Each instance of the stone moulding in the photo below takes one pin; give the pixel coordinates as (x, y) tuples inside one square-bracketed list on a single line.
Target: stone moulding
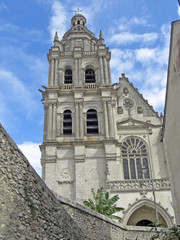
[(89, 53), (91, 85), (65, 182), (65, 53), (67, 86), (137, 185)]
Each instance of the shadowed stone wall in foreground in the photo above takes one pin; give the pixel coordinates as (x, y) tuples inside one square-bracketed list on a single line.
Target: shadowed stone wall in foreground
[(30, 211)]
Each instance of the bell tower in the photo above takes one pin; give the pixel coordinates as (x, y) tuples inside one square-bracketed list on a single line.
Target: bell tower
[(79, 124), (98, 134)]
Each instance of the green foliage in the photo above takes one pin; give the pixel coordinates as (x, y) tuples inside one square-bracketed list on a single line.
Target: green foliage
[(103, 204), (30, 201), (172, 233), (155, 225)]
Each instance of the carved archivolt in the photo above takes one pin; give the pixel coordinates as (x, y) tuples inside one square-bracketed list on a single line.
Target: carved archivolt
[(148, 203)]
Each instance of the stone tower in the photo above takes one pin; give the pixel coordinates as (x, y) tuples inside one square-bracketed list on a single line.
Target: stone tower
[(99, 134)]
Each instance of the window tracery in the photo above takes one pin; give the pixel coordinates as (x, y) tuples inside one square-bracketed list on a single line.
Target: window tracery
[(135, 158)]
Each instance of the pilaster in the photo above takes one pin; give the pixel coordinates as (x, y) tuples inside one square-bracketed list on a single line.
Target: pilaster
[(106, 120)]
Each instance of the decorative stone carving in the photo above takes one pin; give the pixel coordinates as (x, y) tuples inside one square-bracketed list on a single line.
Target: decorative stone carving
[(139, 110), (65, 173), (137, 185), (111, 156), (119, 110), (65, 176), (128, 103), (125, 91)]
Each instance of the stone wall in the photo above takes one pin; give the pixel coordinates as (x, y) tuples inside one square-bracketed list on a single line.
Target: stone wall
[(29, 210), (97, 226), (171, 138)]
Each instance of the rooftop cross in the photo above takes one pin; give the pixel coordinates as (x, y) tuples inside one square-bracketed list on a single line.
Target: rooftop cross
[(78, 10)]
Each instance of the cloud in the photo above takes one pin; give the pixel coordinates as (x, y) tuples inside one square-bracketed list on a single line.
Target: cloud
[(160, 53), (17, 92), (34, 35), (145, 67), (58, 21), (125, 23), (128, 38), (90, 11), (32, 153), (178, 10), (3, 7), (156, 97)]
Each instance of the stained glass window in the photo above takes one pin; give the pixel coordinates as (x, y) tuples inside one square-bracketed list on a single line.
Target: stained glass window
[(135, 158)]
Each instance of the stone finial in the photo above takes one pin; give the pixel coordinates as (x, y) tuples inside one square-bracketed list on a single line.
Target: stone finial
[(123, 75), (101, 35), (56, 38)]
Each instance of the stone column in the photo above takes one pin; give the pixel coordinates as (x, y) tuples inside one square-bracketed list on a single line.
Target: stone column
[(77, 120), (54, 121), (105, 70), (49, 74), (81, 122), (52, 73), (56, 72), (58, 125), (106, 120), (61, 77), (79, 72), (101, 70), (76, 71), (110, 119), (50, 122), (43, 170), (109, 73), (85, 127), (61, 123), (114, 120), (99, 122), (45, 130)]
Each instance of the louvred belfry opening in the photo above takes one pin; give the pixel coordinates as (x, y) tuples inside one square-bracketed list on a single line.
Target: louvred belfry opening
[(67, 123), (90, 76), (92, 122), (68, 76)]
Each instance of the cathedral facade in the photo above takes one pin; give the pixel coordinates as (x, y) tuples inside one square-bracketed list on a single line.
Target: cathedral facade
[(101, 134)]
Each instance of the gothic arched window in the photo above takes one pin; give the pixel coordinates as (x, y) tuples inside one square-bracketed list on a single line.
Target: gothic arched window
[(92, 122), (90, 76), (67, 122), (68, 76), (135, 158)]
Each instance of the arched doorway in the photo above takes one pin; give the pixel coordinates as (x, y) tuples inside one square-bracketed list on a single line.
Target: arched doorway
[(143, 213), (144, 216), (144, 222)]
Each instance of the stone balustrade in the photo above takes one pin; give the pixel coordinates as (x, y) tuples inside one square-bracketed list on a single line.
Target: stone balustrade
[(68, 86), (137, 185), (91, 85)]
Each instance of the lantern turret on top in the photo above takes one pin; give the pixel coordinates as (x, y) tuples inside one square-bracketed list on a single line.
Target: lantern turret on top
[(77, 20)]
